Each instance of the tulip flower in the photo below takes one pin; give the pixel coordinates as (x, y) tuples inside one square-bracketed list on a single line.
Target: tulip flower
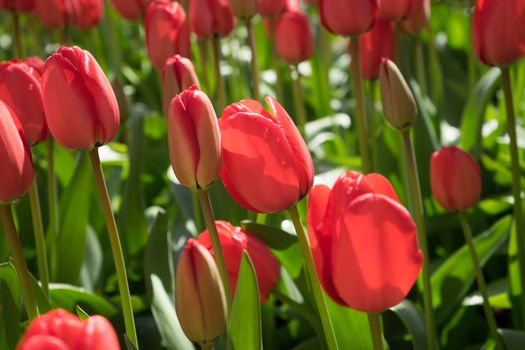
[(348, 17), (35, 63), (80, 106), (60, 330), (498, 31), (85, 14), (270, 8), (178, 74), (131, 9), (166, 32), (17, 5), (211, 18), (266, 165), (199, 294), (364, 242), (295, 40), (52, 13), (234, 241), (16, 163), (455, 179), (292, 5), (194, 139), (244, 8), (396, 10), (419, 17)]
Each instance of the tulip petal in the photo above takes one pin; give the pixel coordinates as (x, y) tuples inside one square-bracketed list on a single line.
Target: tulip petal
[(43, 342), (99, 335)]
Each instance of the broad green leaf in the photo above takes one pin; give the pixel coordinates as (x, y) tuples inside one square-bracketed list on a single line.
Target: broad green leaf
[(10, 304), (310, 344), (69, 297), (512, 338), (245, 317), (351, 327), (413, 321), (272, 236)]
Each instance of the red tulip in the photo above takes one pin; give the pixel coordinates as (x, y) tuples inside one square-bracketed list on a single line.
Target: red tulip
[(178, 74), (52, 13), (81, 108), (17, 5), (166, 32), (292, 5), (266, 165), (271, 7), (234, 241), (194, 139), (395, 10), (295, 41), (85, 14), (211, 17), (129, 9), (455, 179), (419, 18), (498, 32), (364, 242), (16, 163), (60, 330), (244, 8), (36, 63), (348, 17), (20, 88)]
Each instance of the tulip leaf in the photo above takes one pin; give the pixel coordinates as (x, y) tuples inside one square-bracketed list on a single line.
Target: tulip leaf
[(70, 297), (10, 304), (513, 339), (350, 327), (514, 276), (272, 236), (453, 279), (413, 321), (245, 318)]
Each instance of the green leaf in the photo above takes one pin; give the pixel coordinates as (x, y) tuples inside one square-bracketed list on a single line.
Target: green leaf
[(272, 236), (10, 313), (245, 318), (70, 297), (351, 327), (413, 321), (513, 339), (83, 315)]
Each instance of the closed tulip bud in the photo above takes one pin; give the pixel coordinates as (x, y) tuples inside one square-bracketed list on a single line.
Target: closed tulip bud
[(348, 17), (395, 10), (364, 242), (455, 179), (418, 19), (270, 8), (233, 242), (178, 74), (52, 13), (85, 14), (194, 139), (399, 105), (211, 18), (295, 41), (166, 32), (80, 105), (129, 9), (17, 5), (20, 88), (60, 330), (498, 32), (16, 163), (200, 299), (266, 165), (244, 8)]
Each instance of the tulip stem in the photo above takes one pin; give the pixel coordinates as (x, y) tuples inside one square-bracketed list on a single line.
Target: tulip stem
[(360, 105), (420, 67), (52, 208), (516, 184), (372, 124), (17, 36), (275, 61), (196, 211), (299, 99), (219, 82), (38, 228), (418, 213), (116, 248), (314, 281), (374, 321), (28, 293), (209, 218), (202, 45), (489, 315), (254, 61)]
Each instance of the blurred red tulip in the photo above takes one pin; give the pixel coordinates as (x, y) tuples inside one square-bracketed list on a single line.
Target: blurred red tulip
[(455, 179), (17, 5), (295, 40), (292, 5), (16, 163), (419, 18), (35, 63), (52, 13), (498, 32), (266, 165), (194, 139), (271, 7), (60, 330), (348, 17), (129, 9), (84, 14), (396, 10), (244, 8), (80, 105), (234, 241), (20, 88), (364, 242), (211, 17), (166, 32), (178, 74)]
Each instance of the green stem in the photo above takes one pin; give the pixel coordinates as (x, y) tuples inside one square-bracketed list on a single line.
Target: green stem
[(116, 248), (196, 211), (516, 185), (489, 315), (275, 61), (209, 218), (28, 293), (374, 321), (52, 208), (372, 124), (420, 67), (36, 44), (219, 82), (418, 213), (202, 45), (261, 218), (38, 227), (207, 346), (17, 36), (360, 105), (314, 281), (254, 61), (298, 99)]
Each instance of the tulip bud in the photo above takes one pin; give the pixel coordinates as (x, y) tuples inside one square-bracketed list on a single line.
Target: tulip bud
[(295, 41), (52, 13), (233, 242), (178, 74), (399, 105), (58, 329), (17, 5), (395, 10), (85, 14), (211, 18), (455, 179), (166, 32), (194, 139), (80, 105), (129, 9), (270, 8), (200, 299), (16, 163), (348, 17), (418, 19), (244, 8)]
